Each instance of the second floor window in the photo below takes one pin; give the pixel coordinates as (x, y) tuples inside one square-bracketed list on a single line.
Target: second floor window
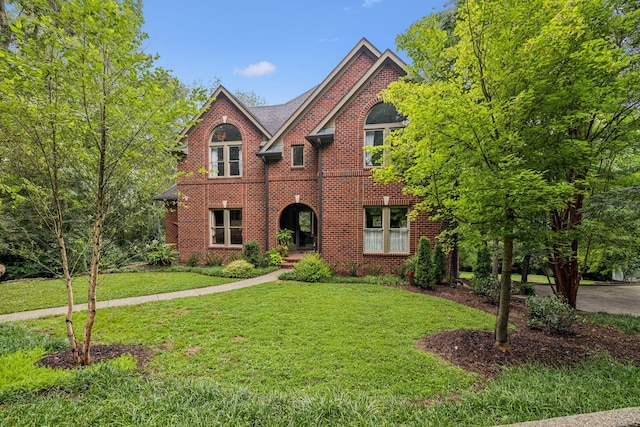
[(381, 120), (225, 151), (297, 155)]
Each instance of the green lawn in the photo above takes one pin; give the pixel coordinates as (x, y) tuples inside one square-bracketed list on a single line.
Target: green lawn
[(288, 336), (287, 353), (34, 294)]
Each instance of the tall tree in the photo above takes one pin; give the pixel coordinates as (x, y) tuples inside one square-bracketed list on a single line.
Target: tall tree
[(85, 113), (512, 116)]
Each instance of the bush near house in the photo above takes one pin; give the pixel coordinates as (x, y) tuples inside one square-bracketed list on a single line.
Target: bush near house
[(424, 267), (239, 269), (311, 268)]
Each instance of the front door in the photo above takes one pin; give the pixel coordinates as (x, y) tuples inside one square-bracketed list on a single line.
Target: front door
[(300, 219)]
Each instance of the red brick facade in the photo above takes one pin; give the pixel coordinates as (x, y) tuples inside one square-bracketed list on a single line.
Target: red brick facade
[(270, 190)]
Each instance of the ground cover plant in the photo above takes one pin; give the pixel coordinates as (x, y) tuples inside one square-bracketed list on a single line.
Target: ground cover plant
[(33, 294)]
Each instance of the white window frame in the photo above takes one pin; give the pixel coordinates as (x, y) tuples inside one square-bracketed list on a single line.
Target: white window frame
[(226, 228), (384, 238), (369, 139), (214, 159)]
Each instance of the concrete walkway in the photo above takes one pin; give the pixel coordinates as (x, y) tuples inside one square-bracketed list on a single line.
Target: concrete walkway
[(56, 311), (626, 417)]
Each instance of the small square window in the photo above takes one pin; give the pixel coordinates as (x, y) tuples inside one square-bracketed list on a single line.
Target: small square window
[(297, 155)]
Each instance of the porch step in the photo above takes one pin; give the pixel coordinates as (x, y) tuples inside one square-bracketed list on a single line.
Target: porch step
[(292, 259)]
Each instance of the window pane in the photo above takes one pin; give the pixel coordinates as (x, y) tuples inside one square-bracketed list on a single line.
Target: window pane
[(218, 236), (224, 133), (234, 153), (298, 155), (218, 217), (373, 218), (235, 218), (384, 113), (373, 138), (236, 236), (235, 157), (398, 218), (217, 227), (373, 240), (399, 240)]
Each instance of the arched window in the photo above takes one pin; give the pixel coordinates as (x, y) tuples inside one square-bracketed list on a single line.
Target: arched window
[(225, 151), (381, 120)]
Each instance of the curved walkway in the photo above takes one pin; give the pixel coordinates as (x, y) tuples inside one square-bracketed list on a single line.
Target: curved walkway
[(56, 311)]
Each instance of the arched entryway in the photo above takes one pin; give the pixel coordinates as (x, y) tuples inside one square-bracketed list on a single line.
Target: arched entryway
[(301, 219)]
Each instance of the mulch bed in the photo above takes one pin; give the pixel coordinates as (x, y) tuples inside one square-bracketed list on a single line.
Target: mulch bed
[(474, 350), (471, 350)]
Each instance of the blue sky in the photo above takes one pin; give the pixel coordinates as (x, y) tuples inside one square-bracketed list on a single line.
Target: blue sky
[(277, 49)]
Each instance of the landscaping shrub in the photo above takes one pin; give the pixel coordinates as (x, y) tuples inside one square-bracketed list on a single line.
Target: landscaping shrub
[(439, 264), (373, 270), (159, 253), (527, 289), (251, 252), (239, 269), (194, 259), (273, 258), (213, 260), (424, 268), (488, 287), (311, 268), (353, 267), (483, 263), (551, 312)]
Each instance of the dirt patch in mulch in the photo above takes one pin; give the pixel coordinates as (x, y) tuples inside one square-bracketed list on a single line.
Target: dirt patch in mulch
[(474, 350), (99, 353)]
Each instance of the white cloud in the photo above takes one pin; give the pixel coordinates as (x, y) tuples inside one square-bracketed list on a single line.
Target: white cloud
[(369, 3), (262, 68)]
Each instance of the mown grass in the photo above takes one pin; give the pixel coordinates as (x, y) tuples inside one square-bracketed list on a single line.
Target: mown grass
[(34, 294), (112, 396), (284, 354), (623, 322), (294, 336)]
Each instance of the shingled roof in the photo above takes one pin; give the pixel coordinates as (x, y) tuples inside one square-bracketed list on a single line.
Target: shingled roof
[(273, 117)]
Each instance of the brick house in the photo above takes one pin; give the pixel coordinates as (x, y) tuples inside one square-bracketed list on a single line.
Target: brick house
[(249, 171)]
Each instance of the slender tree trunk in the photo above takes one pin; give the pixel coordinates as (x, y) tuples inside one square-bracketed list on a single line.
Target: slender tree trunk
[(97, 231), (495, 265), (526, 261), (502, 320), (564, 260), (68, 283)]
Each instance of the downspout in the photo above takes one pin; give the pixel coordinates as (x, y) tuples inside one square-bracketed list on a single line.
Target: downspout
[(319, 236), (266, 202)]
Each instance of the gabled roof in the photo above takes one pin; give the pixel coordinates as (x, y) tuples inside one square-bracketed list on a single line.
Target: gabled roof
[(274, 116), (387, 57), (319, 90), (222, 91), (275, 120)]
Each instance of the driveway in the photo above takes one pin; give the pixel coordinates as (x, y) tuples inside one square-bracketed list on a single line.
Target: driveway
[(614, 299)]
